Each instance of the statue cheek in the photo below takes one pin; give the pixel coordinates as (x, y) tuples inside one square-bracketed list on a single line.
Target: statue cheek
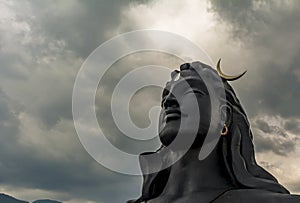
[(189, 106)]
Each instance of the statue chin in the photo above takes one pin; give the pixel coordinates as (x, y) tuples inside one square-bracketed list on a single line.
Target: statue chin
[(169, 132), (171, 129)]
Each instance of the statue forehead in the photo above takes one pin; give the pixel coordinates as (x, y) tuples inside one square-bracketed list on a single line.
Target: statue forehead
[(196, 74), (188, 80)]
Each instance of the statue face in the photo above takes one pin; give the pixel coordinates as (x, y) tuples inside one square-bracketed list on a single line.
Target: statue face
[(177, 108)]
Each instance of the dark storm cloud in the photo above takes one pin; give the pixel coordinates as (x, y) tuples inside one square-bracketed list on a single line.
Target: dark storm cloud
[(43, 44), (77, 178), (240, 14), (71, 170), (269, 30), (277, 92), (292, 126), (8, 125), (84, 25), (263, 126), (273, 138), (61, 35)]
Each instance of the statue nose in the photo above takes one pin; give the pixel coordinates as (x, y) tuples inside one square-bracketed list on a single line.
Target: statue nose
[(170, 101)]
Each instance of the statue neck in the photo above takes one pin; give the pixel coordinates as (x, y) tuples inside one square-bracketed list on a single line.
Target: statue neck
[(191, 175)]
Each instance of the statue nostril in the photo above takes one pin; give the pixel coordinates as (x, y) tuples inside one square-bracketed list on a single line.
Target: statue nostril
[(185, 66), (171, 103)]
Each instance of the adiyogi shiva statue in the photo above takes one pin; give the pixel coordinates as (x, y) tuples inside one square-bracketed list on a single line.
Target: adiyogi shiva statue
[(229, 174)]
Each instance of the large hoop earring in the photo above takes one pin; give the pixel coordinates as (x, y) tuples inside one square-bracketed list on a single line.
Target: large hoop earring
[(224, 130)]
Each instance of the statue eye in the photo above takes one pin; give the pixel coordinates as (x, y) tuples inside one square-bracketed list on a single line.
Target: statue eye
[(200, 92), (165, 92), (196, 91), (164, 95)]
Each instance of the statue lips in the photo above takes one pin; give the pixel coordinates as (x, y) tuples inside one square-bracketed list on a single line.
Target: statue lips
[(172, 114)]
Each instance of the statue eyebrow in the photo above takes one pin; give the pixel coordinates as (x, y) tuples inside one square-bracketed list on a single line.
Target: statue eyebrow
[(197, 90)]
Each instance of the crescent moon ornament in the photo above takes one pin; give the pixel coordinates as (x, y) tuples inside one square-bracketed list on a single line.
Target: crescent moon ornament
[(228, 77)]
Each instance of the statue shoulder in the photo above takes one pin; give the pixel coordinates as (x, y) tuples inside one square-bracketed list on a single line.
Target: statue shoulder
[(256, 195), (153, 183)]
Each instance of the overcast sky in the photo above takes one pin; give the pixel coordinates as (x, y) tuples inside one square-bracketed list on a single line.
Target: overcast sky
[(44, 43)]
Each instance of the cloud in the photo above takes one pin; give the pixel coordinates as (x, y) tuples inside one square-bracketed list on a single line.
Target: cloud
[(83, 25), (292, 126), (43, 44), (40, 57), (285, 170), (277, 149), (268, 31), (270, 135)]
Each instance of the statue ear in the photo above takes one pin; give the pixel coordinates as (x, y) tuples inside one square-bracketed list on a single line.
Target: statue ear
[(226, 114)]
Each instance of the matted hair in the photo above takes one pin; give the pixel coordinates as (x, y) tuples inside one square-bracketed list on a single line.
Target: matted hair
[(238, 150)]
